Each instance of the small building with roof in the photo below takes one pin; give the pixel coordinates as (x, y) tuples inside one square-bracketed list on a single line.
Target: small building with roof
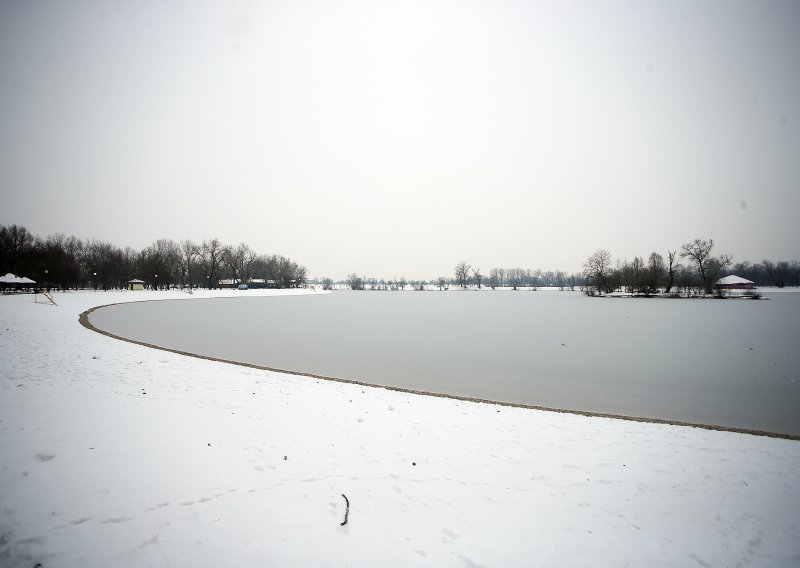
[(15, 282), (136, 284), (735, 285)]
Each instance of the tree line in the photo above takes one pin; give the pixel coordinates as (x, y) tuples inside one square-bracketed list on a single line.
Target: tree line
[(66, 262), (691, 270), (467, 276)]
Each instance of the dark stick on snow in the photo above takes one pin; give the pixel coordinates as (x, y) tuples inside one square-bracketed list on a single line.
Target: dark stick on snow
[(347, 509)]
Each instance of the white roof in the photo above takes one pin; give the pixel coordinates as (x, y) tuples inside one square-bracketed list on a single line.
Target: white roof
[(11, 279), (732, 279), (136, 281)]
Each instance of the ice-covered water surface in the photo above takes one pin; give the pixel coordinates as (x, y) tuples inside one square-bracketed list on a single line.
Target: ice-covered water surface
[(729, 363)]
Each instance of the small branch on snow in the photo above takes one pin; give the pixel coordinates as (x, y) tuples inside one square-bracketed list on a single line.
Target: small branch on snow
[(347, 510)]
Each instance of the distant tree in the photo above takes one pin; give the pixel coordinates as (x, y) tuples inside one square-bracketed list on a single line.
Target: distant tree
[(745, 269), (717, 266), (230, 264), (239, 262), (707, 267), (494, 278), (280, 270), (68, 262), (355, 282), (687, 280), (462, 273), (212, 257), (777, 272), (327, 284), (597, 270), (476, 274), (514, 277), (560, 279), (441, 282), (189, 253), (794, 273), (15, 244), (573, 281), (671, 270), (655, 273)]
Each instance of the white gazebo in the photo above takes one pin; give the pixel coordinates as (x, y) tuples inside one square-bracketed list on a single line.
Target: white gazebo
[(16, 281), (735, 285), (136, 284), (734, 282)]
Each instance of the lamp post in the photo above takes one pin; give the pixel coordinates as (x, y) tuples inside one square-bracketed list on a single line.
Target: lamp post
[(208, 282), (156, 275), (94, 275), (46, 281)]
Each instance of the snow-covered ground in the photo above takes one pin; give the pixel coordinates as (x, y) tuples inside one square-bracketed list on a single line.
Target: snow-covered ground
[(113, 454)]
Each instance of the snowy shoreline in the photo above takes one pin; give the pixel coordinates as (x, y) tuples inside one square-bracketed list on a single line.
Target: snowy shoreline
[(116, 454), (85, 322)]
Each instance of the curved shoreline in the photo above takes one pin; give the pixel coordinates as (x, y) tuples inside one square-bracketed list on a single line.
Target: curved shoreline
[(83, 319)]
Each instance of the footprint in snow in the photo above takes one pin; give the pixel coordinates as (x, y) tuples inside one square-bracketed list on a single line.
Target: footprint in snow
[(116, 520)]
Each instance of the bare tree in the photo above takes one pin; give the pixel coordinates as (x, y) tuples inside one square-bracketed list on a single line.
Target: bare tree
[(15, 243), (638, 274), (355, 282), (514, 277), (300, 275), (239, 261), (572, 281), (655, 273), (698, 252), (706, 266), (212, 257), (673, 268), (597, 270), (560, 279), (282, 270), (462, 273), (686, 279), (476, 274), (189, 252), (777, 272), (494, 278)]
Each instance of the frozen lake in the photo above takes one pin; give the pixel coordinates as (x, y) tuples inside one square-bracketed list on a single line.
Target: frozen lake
[(728, 363)]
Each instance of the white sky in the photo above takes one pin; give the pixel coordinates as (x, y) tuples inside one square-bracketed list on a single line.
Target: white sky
[(398, 138)]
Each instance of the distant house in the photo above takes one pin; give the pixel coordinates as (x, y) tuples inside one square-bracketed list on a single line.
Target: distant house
[(136, 284), (735, 285)]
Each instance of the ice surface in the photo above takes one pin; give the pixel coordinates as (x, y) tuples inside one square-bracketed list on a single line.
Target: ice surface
[(731, 363)]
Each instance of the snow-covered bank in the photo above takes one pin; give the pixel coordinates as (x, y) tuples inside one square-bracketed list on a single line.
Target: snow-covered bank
[(115, 454)]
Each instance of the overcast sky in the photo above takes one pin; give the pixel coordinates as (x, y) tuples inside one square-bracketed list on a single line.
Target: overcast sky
[(398, 138)]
